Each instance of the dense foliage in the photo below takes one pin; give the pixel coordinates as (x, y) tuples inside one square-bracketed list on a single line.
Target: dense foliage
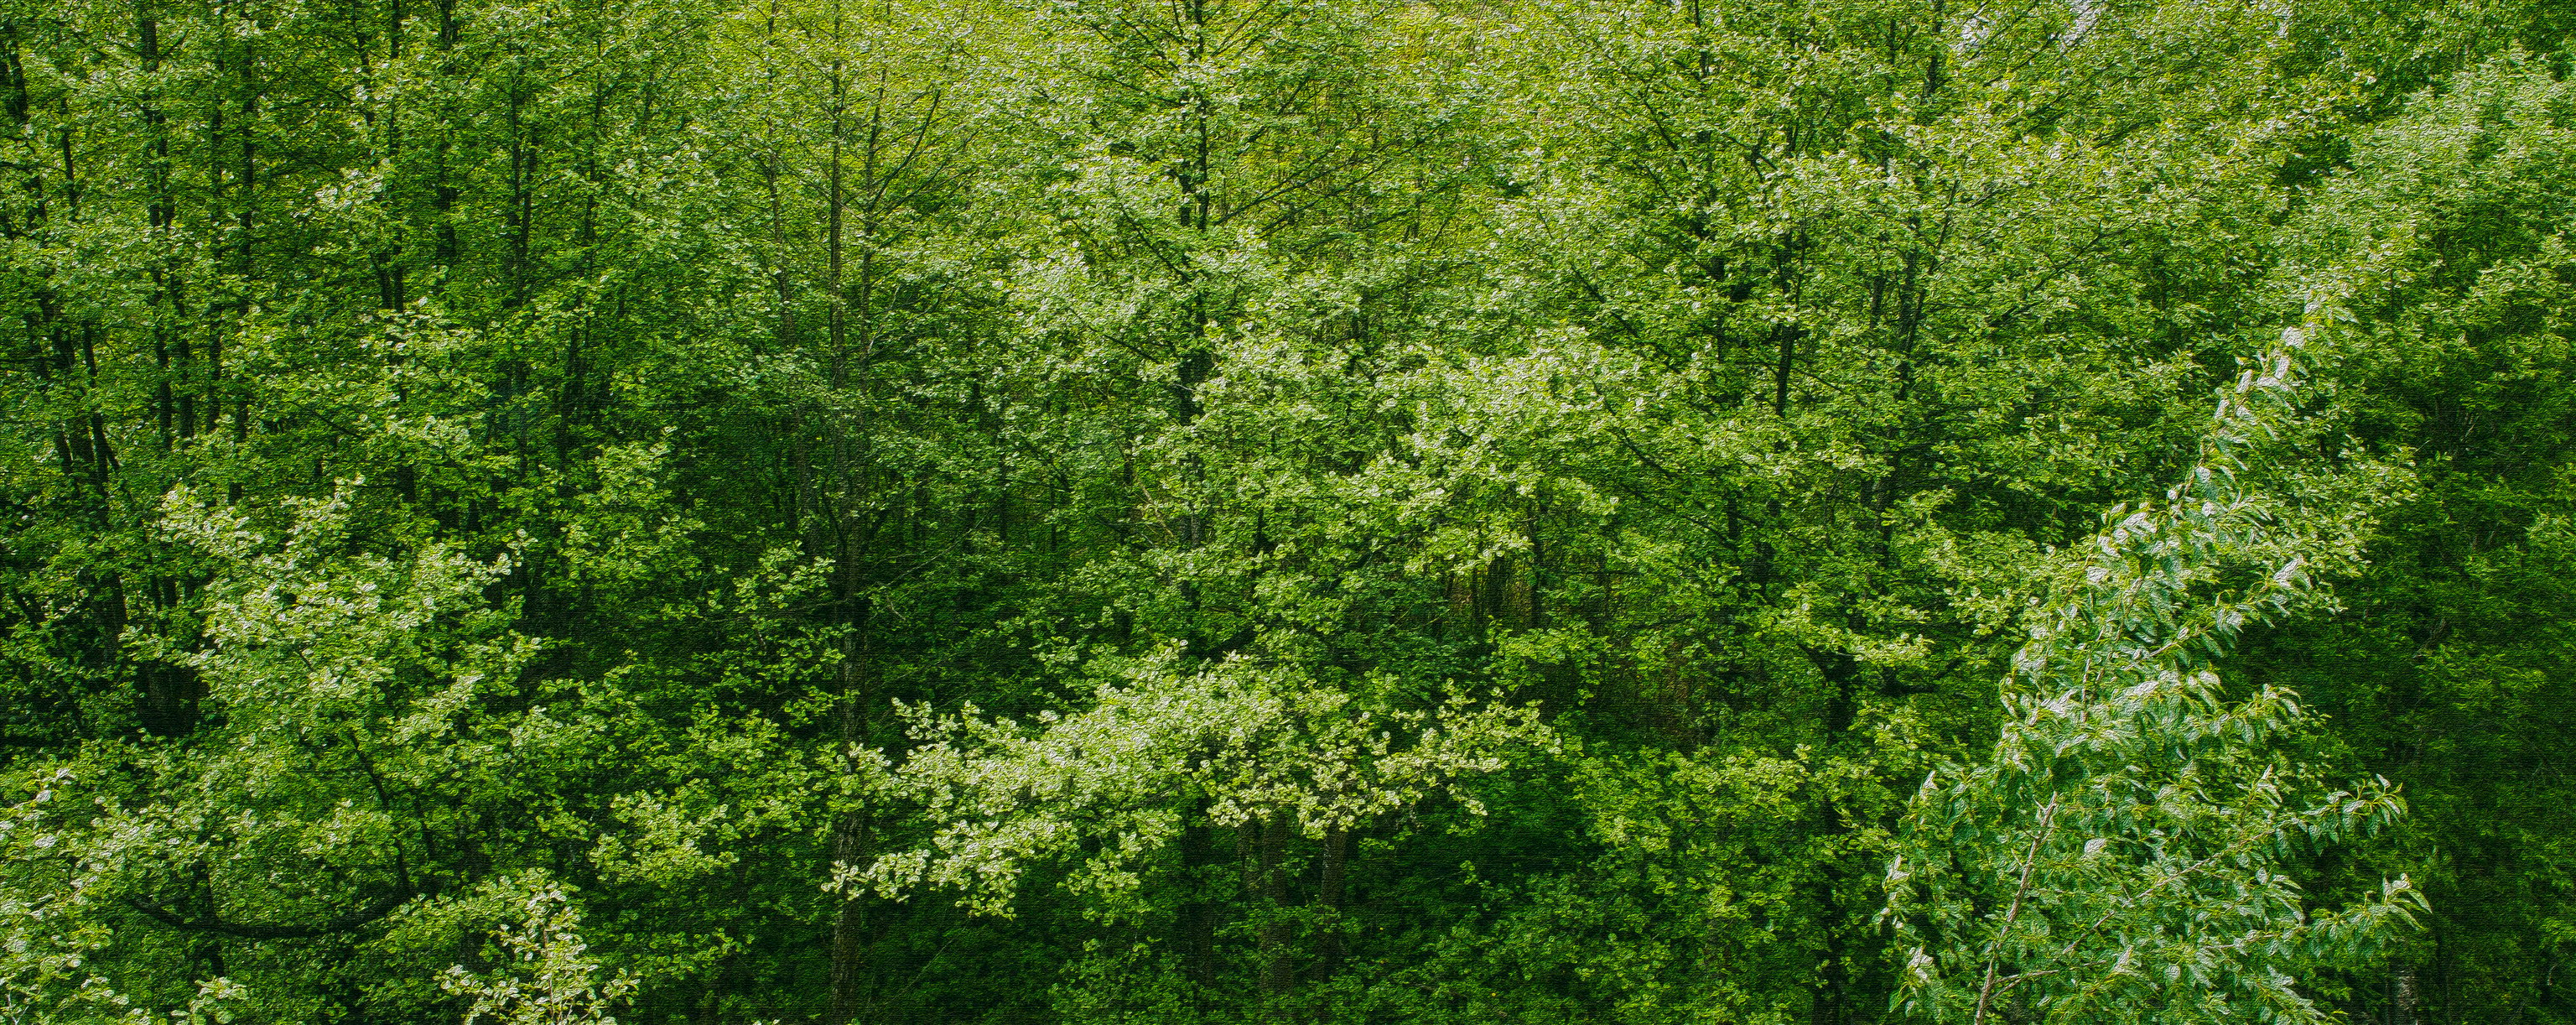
[(1322, 510)]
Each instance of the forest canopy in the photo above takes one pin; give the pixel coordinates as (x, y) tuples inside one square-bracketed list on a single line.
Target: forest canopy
[(1332, 511)]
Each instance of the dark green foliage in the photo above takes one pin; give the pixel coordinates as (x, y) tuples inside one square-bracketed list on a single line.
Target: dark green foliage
[(2446, 671)]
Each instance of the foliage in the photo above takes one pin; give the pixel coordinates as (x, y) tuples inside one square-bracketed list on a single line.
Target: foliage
[(2125, 853), (1234, 510), (561, 986)]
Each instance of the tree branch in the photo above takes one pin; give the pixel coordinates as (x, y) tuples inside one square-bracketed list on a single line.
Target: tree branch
[(379, 908)]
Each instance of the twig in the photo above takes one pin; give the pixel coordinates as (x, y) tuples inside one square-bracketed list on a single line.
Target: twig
[(2030, 861)]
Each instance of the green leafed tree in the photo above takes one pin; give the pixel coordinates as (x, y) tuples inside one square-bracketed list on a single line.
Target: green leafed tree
[(2130, 849)]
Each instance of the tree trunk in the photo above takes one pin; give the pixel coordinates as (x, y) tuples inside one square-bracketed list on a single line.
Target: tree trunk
[(1330, 894), (1276, 972)]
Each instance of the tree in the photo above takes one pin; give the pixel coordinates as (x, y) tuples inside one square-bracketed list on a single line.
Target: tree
[(2126, 854)]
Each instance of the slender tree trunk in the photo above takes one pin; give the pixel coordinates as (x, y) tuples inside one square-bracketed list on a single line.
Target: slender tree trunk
[(1198, 915), (1331, 886), (851, 956), (1277, 964)]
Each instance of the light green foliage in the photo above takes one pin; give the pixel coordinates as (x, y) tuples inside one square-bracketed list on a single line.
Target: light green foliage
[(547, 979), (1250, 745), (55, 965)]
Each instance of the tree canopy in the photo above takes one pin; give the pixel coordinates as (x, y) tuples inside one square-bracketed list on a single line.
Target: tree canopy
[(1764, 512)]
